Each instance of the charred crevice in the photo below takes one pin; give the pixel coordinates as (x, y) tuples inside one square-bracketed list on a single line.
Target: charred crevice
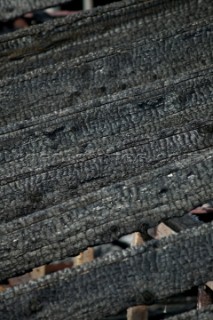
[(163, 190), (51, 134)]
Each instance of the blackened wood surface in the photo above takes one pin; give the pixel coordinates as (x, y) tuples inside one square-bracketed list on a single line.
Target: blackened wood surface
[(141, 275), (104, 31), (105, 128), (204, 314), (13, 8)]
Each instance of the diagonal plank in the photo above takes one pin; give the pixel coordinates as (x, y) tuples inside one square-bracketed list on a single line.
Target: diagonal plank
[(100, 32), (106, 286), (106, 128), (107, 144), (13, 8), (204, 314), (104, 215)]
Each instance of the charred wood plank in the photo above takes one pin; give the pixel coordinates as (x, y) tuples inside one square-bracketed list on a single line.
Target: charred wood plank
[(106, 286), (95, 149), (204, 314), (150, 176), (10, 9), (102, 31), (104, 144), (98, 77), (66, 199), (97, 146)]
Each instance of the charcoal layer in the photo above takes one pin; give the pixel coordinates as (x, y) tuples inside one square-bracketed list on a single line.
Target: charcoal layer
[(98, 32), (106, 286), (13, 8), (112, 142), (204, 314)]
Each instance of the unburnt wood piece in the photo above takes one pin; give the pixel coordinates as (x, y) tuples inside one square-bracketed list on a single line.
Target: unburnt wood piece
[(38, 272), (204, 314), (160, 231), (137, 239), (13, 8), (141, 275), (35, 274), (83, 257), (87, 4), (137, 313), (210, 285), (20, 280), (56, 266)]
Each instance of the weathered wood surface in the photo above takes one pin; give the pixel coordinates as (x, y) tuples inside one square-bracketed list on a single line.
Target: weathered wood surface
[(108, 143), (204, 314), (13, 8), (101, 32), (140, 275)]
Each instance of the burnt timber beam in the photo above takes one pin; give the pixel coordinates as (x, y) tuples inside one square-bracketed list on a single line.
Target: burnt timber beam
[(115, 141), (106, 128), (10, 9), (102, 31), (203, 314), (140, 275)]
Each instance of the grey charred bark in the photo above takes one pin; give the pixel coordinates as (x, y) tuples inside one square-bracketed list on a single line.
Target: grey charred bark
[(106, 127), (104, 144), (140, 275), (204, 314), (10, 9)]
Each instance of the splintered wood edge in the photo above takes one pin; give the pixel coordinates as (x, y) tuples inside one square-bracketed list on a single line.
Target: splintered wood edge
[(83, 257), (209, 284), (137, 313), (161, 231), (137, 239), (38, 272)]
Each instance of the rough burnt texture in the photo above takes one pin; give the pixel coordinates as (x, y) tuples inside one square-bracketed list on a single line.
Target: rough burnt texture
[(204, 314), (10, 9), (108, 285), (112, 32), (106, 128)]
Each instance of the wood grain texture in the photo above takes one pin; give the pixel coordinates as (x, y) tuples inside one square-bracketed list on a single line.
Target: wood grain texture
[(10, 9), (101, 31), (109, 141), (140, 275), (106, 128)]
